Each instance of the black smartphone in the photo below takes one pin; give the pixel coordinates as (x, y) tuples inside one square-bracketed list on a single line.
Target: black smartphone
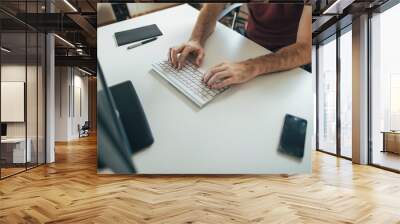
[(293, 136)]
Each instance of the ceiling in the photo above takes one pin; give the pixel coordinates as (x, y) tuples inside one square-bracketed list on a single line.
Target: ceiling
[(74, 21), (331, 15), (16, 42)]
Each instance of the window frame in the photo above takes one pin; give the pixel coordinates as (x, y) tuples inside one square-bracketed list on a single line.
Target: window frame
[(31, 30), (334, 37), (378, 10)]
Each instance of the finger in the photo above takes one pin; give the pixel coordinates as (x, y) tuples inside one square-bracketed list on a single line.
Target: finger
[(200, 57), (224, 83), (218, 77), (169, 55), (212, 71), (183, 56), (174, 55)]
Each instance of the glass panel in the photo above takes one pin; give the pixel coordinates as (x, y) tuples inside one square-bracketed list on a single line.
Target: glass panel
[(23, 93), (314, 73), (394, 102), (13, 87), (41, 99), (346, 94), (31, 99), (32, 90), (385, 84), (327, 97)]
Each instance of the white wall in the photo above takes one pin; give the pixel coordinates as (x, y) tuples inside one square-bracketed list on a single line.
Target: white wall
[(12, 73), (70, 83), (13, 101), (62, 81), (81, 84)]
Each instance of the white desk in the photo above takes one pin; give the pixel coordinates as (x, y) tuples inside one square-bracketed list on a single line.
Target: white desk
[(237, 133), (19, 151)]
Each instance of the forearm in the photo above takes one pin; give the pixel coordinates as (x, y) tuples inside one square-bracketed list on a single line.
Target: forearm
[(206, 21), (286, 58)]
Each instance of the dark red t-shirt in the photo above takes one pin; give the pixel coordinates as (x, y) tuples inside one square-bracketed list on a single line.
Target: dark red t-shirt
[(273, 25)]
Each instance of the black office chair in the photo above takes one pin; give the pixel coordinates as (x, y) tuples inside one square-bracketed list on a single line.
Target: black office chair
[(121, 11), (233, 10), (84, 130)]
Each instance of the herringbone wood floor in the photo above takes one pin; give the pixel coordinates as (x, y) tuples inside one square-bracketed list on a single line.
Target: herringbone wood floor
[(70, 191)]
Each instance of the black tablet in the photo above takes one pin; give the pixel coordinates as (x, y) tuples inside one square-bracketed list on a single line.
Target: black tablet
[(132, 116), (293, 136), (137, 34)]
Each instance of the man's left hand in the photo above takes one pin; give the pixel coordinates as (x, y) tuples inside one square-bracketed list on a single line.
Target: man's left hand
[(227, 73)]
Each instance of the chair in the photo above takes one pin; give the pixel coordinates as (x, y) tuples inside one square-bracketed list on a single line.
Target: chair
[(84, 129), (121, 11), (233, 8)]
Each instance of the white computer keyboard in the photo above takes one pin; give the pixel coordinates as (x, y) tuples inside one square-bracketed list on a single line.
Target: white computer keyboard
[(187, 80)]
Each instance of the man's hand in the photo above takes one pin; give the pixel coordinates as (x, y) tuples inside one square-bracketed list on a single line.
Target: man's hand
[(227, 73), (205, 25), (178, 55)]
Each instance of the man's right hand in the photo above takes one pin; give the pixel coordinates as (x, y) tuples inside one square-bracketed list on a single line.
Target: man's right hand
[(178, 55)]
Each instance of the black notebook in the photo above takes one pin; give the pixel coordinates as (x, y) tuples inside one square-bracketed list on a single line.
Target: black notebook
[(137, 34)]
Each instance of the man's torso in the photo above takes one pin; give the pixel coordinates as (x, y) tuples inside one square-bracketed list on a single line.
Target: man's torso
[(273, 25)]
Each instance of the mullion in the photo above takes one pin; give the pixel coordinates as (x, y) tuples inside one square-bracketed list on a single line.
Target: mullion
[(0, 95), (26, 86), (45, 88), (37, 90), (369, 91), (338, 92), (317, 95)]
